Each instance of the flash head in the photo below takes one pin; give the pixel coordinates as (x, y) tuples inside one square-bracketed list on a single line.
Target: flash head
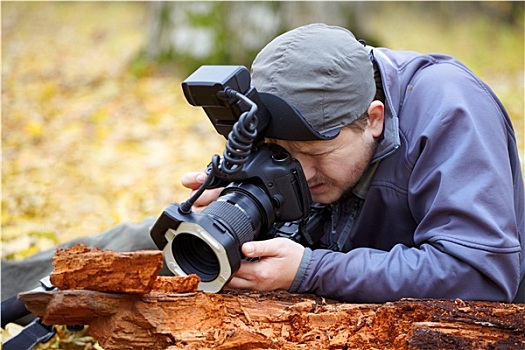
[(205, 88)]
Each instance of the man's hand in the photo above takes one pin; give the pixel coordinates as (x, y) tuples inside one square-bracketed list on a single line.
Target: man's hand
[(193, 181), (279, 259)]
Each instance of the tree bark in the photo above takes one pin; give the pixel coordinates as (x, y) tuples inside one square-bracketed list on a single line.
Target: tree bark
[(80, 267), (279, 320), (171, 314)]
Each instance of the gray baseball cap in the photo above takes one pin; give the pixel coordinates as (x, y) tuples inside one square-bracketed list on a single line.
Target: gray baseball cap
[(314, 80)]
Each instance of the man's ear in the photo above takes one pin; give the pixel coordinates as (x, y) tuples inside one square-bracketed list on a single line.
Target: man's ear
[(376, 118)]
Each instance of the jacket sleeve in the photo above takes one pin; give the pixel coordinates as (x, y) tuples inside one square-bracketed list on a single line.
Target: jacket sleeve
[(462, 193)]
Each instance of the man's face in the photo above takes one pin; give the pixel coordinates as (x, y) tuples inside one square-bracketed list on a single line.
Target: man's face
[(333, 167)]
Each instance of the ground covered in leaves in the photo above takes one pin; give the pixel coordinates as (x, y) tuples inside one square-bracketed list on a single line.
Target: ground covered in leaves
[(91, 136)]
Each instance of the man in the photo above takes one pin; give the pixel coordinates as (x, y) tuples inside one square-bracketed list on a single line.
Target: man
[(416, 162), (412, 163)]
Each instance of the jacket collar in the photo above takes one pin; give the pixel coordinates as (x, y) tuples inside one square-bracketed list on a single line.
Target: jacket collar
[(361, 188), (391, 140)]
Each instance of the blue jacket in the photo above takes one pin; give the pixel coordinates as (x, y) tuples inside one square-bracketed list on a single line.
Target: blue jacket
[(441, 213)]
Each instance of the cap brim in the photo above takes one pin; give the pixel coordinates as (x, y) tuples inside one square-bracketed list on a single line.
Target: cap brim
[(287, 123)]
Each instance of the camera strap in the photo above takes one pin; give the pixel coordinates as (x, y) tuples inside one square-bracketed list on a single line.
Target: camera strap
[(342, 224), (32, 335), (35, 332), (307, 231), (311, 228)]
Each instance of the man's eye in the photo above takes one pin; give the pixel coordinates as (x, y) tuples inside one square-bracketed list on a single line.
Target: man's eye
[(319, 154)]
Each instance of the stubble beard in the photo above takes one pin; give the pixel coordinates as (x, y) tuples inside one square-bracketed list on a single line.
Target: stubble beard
[(356, 173)]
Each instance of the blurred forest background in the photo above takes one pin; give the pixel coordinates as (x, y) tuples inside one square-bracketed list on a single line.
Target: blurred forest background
[(96, 131)]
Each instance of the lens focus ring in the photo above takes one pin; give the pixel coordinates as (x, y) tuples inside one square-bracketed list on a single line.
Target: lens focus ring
[(235, 217)]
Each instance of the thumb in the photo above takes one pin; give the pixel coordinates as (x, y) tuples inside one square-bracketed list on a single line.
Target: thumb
[(259, 249)]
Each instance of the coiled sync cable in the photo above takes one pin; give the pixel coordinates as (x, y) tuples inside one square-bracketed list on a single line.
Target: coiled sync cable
[(237, 149), (240, 139)]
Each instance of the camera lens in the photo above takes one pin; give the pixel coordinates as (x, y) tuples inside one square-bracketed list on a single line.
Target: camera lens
[(209, 244), (195, 256)]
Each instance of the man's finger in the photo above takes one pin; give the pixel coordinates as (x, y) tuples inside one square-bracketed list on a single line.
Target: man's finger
[(239, 283), (193, 180), (207, 197), (244, 277), (259, 249), (267, 248)]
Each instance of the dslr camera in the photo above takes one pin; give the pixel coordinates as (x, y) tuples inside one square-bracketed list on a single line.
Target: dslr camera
[(263, 184)]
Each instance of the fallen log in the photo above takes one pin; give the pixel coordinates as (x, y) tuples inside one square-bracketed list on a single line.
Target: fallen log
[(154, 312), (279, 320)]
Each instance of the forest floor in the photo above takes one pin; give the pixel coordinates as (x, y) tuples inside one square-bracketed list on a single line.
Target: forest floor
[(91, 137)]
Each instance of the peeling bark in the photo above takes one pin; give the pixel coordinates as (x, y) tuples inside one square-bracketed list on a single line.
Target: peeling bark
[(130, 307), (279, 320)]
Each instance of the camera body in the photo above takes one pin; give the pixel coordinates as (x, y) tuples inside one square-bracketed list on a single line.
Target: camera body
[(267, 187), (271, 188)]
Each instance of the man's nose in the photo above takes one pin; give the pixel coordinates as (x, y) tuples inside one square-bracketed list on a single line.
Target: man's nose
[(308, 167)]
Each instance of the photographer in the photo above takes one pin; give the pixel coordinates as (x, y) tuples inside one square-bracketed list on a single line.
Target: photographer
[(422, 187), (415, 177)]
